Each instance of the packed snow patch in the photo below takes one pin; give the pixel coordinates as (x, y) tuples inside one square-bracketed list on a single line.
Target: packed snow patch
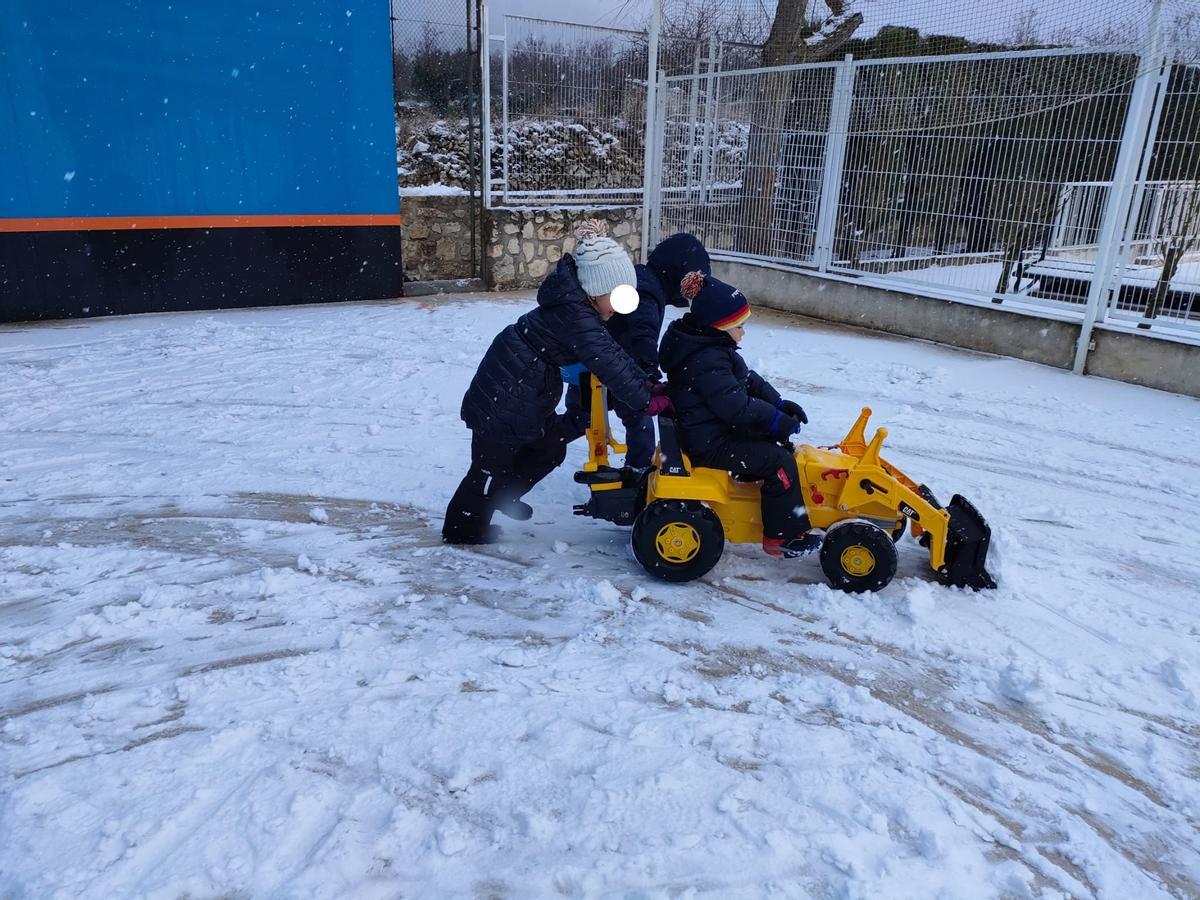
[(237, 660)]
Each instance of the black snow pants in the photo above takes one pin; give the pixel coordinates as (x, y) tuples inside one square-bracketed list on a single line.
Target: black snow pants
[(783, 512), (499, 472)]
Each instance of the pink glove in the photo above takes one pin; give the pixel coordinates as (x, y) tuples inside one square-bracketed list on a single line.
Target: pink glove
[(660, 405)]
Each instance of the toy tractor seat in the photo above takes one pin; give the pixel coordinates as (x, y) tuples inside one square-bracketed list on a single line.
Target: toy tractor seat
[(673, 461), (670, 456)]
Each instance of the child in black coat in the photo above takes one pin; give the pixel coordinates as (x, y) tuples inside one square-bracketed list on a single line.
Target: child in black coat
[(727, 415), (516, 436)]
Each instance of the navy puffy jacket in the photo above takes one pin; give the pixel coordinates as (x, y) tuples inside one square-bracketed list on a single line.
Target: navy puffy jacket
[(658, 287), (518, 385), (716, 395)]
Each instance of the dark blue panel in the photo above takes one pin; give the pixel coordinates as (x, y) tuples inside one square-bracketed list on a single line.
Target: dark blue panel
[(211, 107)]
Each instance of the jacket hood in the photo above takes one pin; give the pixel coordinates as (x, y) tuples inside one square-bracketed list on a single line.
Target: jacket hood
[(650, 285), (562, 285), (675, 257), (685, 338)]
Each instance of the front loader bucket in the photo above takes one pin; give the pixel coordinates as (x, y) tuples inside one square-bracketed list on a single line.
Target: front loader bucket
[(967, 546)]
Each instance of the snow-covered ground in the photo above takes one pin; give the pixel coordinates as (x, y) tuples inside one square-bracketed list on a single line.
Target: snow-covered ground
[(236, 661)]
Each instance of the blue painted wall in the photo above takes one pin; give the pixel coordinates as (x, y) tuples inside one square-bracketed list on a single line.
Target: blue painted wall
[(195, 107)]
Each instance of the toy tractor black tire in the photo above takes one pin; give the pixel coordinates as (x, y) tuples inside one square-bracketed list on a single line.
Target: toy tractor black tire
[(858, 557), (677, 540)]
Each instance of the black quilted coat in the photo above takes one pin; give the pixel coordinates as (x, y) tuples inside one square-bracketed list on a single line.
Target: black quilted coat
[(658, 287), (517, 385), (715, 394)]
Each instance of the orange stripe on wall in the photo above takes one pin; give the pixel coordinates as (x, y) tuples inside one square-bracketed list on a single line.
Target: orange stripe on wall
[(123, 223)]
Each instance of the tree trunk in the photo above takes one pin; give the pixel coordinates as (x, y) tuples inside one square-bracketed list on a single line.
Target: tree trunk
[(785, 45), (1011, 258), (1171, 261), (756, 210)]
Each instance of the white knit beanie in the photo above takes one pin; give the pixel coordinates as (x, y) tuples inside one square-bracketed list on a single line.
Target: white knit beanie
[(601, 263)]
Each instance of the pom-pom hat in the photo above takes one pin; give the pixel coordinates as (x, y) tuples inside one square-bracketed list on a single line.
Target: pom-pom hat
[(600, 262), (714, 303)]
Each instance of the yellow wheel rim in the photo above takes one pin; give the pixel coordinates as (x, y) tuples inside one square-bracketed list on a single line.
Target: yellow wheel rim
[(858, 561), (677, 542)]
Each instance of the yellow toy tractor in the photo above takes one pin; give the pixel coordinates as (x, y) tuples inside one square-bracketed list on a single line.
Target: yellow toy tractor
[(683, 515)]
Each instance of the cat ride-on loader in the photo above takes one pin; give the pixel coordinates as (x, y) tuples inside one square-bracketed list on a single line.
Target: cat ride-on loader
[(682, 515)]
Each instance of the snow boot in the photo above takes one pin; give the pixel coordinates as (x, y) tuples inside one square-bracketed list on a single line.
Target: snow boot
[(513, 507), (790, 548)]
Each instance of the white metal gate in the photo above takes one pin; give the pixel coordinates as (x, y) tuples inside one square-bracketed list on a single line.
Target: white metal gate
[(573, 113), (566, 107), (1024, 178)]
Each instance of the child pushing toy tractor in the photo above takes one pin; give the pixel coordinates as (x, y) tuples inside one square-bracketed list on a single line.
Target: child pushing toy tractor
[(682, 515)]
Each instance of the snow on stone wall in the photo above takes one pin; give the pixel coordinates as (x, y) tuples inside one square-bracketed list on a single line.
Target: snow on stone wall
[(540, 153)]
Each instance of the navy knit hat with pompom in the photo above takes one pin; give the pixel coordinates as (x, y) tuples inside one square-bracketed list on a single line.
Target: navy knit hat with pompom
[(715, 303)]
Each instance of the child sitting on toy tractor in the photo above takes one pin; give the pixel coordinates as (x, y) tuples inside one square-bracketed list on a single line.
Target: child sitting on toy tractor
[(727, 415)]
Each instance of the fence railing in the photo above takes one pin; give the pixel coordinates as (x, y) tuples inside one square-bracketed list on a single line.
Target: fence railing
[(572, 113), (1060, 181), (567, 104)]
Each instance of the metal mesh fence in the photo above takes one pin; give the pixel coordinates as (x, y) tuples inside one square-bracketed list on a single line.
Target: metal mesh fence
[(798, 31), (436, 47), (959, 173), (992, 177), (573, 112), (954, 171), (435, 71), (729, 136), (1159, 271), (568, 106)]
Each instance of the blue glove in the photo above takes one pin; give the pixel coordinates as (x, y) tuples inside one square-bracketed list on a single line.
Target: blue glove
[(792, 408), (572, 374)]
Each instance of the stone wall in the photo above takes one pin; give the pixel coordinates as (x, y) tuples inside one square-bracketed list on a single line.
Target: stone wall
[(521, 245), (436, 237), (524, 244)]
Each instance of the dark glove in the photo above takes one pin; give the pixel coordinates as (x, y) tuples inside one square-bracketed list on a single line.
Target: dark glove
[(658, 390), (793, 409), (653, 372), (660, 406), (784, 426)]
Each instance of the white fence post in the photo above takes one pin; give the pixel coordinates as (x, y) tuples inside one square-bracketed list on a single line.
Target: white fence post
[(652, 193), (1135, 140), (693, 125), (485, 119), (710, 118), (504, 114), (835, 158), (1129, 236), (651, 107)]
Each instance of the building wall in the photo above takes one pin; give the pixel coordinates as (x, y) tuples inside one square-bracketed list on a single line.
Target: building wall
[(268, 123)]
